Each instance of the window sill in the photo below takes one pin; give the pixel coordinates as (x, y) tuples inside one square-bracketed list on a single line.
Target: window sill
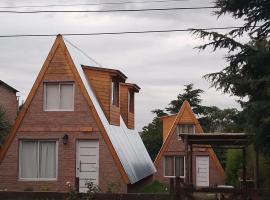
[(174, 176), (37, 179), (58, 110)]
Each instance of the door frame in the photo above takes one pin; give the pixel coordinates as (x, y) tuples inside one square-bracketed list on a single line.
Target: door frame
[(77, 156), (197, 156)]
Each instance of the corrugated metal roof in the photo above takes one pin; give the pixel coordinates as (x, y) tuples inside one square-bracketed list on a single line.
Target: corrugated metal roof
[(126, 142)]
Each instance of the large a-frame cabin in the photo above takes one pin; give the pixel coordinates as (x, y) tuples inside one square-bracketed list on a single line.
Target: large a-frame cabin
[(171, 160), (77, 121)]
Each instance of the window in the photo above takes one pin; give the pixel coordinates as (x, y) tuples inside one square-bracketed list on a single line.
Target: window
[(174, 166), (131, 101), (115, 93), (38, 160), (185, 128), (59, 96)]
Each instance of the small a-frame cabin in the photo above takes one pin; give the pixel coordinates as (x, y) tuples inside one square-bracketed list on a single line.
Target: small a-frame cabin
[(76, 124), (171, 160)]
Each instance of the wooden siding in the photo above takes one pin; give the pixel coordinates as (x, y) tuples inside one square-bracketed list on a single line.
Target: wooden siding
[(101, 83), (167, 123), (127, 116)]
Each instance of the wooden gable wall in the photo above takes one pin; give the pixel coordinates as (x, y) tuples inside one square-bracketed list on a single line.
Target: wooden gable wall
[(102, 85)]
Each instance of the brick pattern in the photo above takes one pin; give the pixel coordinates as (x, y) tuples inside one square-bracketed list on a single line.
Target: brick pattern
[(8, 101), (177, 147), (39, 124)]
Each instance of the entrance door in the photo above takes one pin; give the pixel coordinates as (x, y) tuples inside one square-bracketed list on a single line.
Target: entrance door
[(87, 163), (202, 171)]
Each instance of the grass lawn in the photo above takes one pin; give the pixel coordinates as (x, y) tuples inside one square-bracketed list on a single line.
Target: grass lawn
[(204, 196), (155, 187)]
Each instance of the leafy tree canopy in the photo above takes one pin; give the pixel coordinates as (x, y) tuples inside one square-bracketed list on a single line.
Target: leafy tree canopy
[(211, 118), (247, 74)]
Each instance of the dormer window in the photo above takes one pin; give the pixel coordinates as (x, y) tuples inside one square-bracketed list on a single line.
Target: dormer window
[(115, 93), (59, 96), (185, 129), (131, 101)]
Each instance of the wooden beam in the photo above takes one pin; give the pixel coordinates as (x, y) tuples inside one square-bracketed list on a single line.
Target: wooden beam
[(191, 165)]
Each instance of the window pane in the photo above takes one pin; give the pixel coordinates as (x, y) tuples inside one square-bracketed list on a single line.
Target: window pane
[(191, 129), (131, 101), (184, 128), (179, 166), (29, 159), (169, 165), (52, 96), (47, 160), (115, 93), (66, 97)]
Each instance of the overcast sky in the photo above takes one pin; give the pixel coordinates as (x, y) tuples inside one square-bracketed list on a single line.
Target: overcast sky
[(161, 64)]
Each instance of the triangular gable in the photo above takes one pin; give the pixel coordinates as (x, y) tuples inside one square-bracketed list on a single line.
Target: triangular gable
[(59, 42), (186, 115)]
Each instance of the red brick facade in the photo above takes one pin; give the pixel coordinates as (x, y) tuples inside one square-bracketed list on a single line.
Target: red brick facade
[(39, 124), (174, 145), (177, 147), (8, 101)]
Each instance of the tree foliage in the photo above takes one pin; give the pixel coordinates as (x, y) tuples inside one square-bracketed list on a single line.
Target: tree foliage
[(212, 119), (4, 124), (193, 96), (247, 74), (255, 14)]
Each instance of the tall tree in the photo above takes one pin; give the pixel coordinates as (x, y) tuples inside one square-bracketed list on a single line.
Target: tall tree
[(247, 74), (193, 96), (211, 118)]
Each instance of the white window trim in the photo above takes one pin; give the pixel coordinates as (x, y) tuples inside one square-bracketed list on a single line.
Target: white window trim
[(174, 166), (45, 96), (56, 160)]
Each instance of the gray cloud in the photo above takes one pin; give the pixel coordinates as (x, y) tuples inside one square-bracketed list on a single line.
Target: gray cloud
[(160, 63)]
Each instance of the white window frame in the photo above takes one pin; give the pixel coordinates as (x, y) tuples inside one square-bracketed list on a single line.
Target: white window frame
[(59, 92), (178, 127), (56, 160), (174, 156)]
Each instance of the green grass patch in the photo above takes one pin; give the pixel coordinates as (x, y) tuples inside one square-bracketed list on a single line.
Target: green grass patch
[(155, 187), (204, 196)]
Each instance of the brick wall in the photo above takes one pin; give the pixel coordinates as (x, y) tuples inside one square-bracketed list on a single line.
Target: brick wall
[(38, 124), (8, 100)]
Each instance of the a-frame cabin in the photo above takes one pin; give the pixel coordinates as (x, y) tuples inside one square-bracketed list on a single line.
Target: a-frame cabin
[(71, 126), (171, 160)]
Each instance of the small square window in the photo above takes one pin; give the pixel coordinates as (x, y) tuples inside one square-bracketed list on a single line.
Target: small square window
[(185, 129), (59, 96), (38, 160), (174, 166)]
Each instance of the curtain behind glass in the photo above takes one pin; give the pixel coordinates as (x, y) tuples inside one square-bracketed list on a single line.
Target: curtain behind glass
[(29, 159), (179, 166), (47, 159), (52, 96), (169, 166), (66, 96)]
